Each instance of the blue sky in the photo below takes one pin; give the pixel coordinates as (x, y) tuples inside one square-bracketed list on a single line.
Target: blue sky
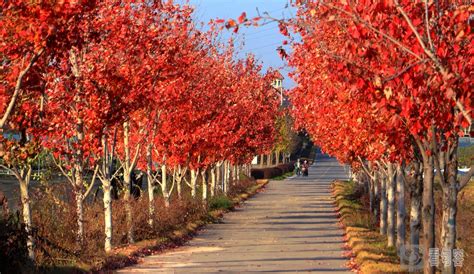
[(262, 41)]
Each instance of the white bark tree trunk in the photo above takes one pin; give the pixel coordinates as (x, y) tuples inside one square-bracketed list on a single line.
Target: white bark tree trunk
[(80, 216), (213, 181), (178, 181), (372, 205), (204, 186), (234, 174), (391, 205), (227, 177), (237, 173), (151, 187), (107, 188), (193, 183), (428, 213), (164, 186), (448, 228), (401, 211), (127, 178), (24, 180), (383, 205), (78, 181), (376, 194), (416, 190), (451, 187), (106, 177)]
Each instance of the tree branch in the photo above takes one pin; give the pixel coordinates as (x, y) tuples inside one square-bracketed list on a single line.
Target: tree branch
[(404, 70), (16, 92), (91, 184), (135, 157), (366, 169), (58, 164), (368, 25), (434, 58), (466, 178), (427, 25)]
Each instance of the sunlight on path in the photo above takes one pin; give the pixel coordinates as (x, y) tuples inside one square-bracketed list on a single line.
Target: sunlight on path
[(291, 227)]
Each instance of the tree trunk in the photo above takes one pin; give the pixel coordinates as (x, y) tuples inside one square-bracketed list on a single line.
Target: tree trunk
[(25, 201), (193, 183), (269, 159), (107, 188), (371, 195), (237, 173), (128, 182), (232, 174), (79, 182), (391, 205), (164, 186), (218, 176), (383, 205), (226, 176), (449, 204), (376, 195), (80, 216), (213, 181), (204, 186), (277, 157), (428, 213), (262, 160), (151, 187), (79, 196), (178, 182), (416, 190), (401, 211)]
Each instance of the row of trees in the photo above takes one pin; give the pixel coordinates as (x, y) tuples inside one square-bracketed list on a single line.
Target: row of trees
[(111, 87), (386, 86)]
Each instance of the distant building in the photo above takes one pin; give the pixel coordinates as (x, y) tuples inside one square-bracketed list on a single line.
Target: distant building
[(277, 84), (469, 132)]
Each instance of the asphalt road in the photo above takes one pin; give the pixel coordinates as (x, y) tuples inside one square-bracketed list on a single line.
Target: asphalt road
[(291, 227)]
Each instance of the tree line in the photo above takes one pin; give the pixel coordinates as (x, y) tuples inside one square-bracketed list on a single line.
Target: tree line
[(109, 88), (386, 86)]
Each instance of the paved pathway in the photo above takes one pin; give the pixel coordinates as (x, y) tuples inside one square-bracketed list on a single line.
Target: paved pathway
[(291, 227)]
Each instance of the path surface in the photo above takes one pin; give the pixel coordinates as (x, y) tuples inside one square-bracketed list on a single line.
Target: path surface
[(291, 227)]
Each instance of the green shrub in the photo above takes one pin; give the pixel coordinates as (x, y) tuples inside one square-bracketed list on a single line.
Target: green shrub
[(466, 156), (220, 202)]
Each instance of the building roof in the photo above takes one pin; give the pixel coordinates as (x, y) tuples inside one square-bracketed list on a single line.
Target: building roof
[(278, 75)]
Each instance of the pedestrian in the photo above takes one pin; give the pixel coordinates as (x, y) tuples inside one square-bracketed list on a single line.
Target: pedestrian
[(298, 167), (305, 168)]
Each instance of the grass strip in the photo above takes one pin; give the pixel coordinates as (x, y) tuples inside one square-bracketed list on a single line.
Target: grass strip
[(366, 248)]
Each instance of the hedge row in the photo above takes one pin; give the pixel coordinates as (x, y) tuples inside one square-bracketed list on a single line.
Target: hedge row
[(271, 172)]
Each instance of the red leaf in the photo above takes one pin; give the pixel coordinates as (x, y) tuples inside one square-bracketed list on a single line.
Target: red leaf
[(242, 18)]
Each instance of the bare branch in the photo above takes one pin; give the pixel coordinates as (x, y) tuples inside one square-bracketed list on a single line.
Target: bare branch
[(15, 172), (463, 110), (135, 157), (466, 178), (364, 167), (405, 70), (59, 165), (17, 89), (91, 184), (427, 25)]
